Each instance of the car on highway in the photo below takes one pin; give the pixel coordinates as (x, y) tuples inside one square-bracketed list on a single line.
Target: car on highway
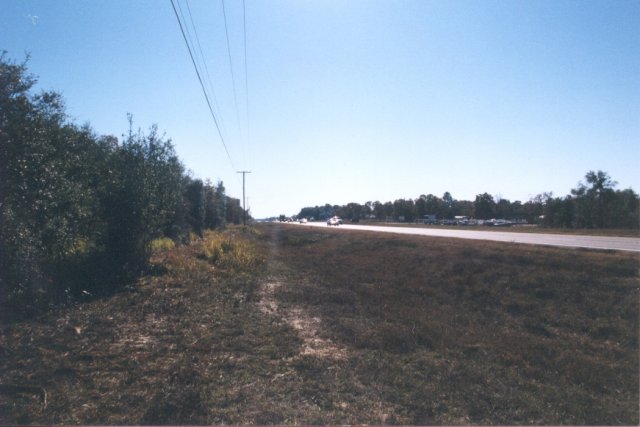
[(334, 221)]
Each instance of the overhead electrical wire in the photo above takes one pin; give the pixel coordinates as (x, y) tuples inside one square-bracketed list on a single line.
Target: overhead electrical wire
[(204, 91), (246, 74), (204, 62), (233, 80)]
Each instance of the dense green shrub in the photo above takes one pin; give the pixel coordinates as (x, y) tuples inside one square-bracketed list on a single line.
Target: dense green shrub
[(48, 175), (78, 211)]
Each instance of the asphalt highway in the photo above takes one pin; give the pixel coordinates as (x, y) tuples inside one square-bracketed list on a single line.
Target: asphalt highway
[(567, 240)]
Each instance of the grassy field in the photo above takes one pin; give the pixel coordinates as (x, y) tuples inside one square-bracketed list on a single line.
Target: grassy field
[(291, 325)]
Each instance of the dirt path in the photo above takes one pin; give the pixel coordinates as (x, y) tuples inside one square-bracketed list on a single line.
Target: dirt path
[(304, 323), (307, 326)]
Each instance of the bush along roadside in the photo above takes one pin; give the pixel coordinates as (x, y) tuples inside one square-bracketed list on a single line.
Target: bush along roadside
[(80, 212)]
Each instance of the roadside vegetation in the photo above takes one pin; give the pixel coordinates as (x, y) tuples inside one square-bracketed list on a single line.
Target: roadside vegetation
[(291, 325), (79, 211)]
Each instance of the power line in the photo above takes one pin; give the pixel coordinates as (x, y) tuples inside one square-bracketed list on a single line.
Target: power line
[(204, 62), (246, 74), (233, 80), (215, 120)]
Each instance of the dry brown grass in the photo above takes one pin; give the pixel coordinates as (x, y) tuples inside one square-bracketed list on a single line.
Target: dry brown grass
[(474, 332), (426, 331)]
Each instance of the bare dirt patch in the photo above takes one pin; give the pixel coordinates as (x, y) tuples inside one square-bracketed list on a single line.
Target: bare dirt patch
[(307, 326)]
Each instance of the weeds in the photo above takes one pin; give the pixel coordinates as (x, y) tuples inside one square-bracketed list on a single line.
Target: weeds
[(430, 331), (162, 244), (230, 252)]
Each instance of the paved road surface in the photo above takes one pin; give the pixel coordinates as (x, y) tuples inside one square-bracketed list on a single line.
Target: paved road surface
[(567, 240)]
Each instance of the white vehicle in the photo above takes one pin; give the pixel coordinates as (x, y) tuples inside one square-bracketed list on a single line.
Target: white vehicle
[(302, 220), (498, 222), (334, 221)]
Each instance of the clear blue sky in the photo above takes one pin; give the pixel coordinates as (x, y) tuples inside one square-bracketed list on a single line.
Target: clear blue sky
[(356, 100)]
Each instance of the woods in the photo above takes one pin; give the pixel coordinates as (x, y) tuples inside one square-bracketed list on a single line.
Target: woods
[(79, 210), (593, 204)]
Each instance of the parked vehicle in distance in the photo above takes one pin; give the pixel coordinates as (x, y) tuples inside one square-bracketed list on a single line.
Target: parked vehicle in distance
[(302, 220), (334, 221), (429, 219), (498, 223)]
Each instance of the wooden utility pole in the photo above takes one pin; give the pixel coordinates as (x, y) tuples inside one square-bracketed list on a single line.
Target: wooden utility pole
[(244, 210)]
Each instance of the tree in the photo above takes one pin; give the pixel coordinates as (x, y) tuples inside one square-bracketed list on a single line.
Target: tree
[(379, 210), (504, 208), (594, 203), (463, 207), (221, 205), (353, 211), (433, 204), (421, 206), (141, 198), (484, 206), (209, 206), (446, 206), (48, 176), (195, 201), (404, 210), (600, 182), (560, 212), (626, 211), (78, 211), (234, 213), (367, 209)]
